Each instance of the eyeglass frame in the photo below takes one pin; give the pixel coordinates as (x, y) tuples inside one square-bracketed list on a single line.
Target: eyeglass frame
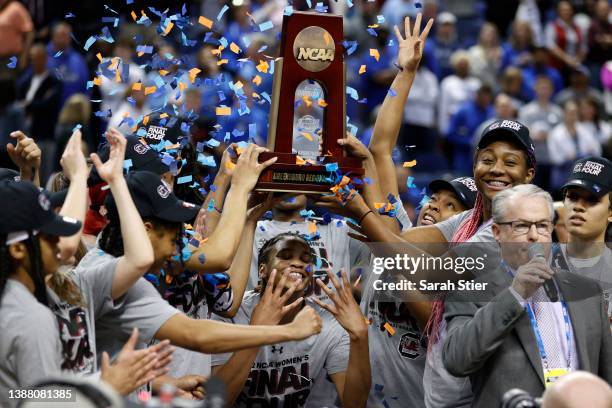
[(531, 224)]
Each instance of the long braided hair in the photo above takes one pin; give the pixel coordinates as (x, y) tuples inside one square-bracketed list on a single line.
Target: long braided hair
[(467, 229), (36, 271)]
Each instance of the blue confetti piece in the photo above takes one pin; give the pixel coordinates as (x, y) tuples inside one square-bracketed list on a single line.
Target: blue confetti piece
[(410, 182), (392, 92), (380, 19), (320, 8), (222, 12), (128, 2), (212, 143), (352, 92), (69, 15), (211, 205), (372, 32), (266, 97), (185, 179), (352, 129), (349, 3), (90, 41), (127, 164), (349, 46), (145, 49), (289, 10), (265, 26), (331, 167), (102, 114), (201, 258), (252, 131), (57, 54), (206, 160), (246, 41), (13, 63), (76, 127), (309, 3)]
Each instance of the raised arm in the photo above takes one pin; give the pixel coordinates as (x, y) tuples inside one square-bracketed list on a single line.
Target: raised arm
[(137, 249), (75, 205), (222, 244), (390, 116), (26, 155)]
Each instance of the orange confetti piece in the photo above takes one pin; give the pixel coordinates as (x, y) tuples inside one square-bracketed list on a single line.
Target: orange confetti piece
[(374, 53), (229, 165), (223, 111), (99, 56), (117, 76), (96, 81), (168, 28), (150, 89), (257, 80), (145, 120), (312, 227), (182, 86), (134, 16), (163, 72), (205, 22), (163, 116), (326, 37), (307, 100), (137, 86), (362, 69), (389, 328), (378, 205), (299, 161), (223, 61), (216, 51), (193, 73), (322, 103), (263, 66), (411, 163), (235, 48), (307, 135), (238, 85), (188, 226)]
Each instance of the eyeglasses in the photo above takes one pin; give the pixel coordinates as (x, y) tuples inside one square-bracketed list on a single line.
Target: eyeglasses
[(521, 227)]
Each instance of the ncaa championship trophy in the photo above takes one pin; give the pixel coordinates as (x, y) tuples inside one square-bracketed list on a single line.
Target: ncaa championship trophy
[(308, 112)]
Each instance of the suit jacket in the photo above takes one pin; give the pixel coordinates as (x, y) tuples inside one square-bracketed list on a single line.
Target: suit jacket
[(44, 107), (492, 342)]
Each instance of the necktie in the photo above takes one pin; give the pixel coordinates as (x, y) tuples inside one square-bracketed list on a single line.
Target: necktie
[(545, 318)]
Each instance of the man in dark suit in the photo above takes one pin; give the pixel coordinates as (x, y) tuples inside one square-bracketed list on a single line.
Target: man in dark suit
[(514, 336), (40, 93)]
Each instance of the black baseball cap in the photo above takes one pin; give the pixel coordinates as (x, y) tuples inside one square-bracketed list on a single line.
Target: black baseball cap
[(24, 207), (153, 199), (160, 126), (593, 174), (463, 187), (142, 156), (509, 130), (56, 198)]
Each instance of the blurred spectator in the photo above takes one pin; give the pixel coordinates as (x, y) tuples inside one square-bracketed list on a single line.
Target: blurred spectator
[(215, 88), (113, 91), (600, 40), (579, 88), (455, 89), (445, 43), (540, 116), (528, 11), (503, 110), (65, 63), (463, 126), (12, 118), (134, 108), (40, 95), (517, 50), (469, 13), (568, 142), (394, 12), (485, 57), (76, 111), (540, 67), (362, 14), (420, 113), (513, 85), (564, 40), (590, 119), (16, 34)]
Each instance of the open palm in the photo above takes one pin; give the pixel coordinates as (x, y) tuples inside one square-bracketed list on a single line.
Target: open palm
[(411, 48), (111, 169)]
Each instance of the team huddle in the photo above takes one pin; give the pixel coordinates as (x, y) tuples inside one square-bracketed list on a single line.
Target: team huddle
[(128, 277)]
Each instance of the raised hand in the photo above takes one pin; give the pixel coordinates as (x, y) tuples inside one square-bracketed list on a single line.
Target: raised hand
[(134, 368), (188, 386), (112, 169), (354, 147), (530, 276), (344, 307), (272, 307), (72, 161), (25, 153), (228, 160), (411, 48), (247, 170)]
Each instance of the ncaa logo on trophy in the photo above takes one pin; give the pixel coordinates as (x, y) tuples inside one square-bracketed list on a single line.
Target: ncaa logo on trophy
[(308, 109)]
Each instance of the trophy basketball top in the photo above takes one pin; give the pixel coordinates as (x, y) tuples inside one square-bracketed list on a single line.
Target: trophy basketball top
[(308, 110)]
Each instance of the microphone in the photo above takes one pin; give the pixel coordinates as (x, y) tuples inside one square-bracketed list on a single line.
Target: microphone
[(536, 250), (215, 393)]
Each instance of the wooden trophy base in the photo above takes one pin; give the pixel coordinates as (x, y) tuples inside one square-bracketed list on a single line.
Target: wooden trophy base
[(287, 176)]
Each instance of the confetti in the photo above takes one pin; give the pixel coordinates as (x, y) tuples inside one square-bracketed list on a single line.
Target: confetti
[(392, 92), (149, 90), (362, 69), (374, 53), (13, 63), (265, 26), (235, 48), (322, 103), (205, 22), (222, 12), (389, 328), (352, 92), (223, 111), (411, 163), (184, 179), (410, 182), (288, 11)]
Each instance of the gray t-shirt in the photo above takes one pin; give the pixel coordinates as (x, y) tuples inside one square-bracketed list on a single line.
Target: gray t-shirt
[(94, 278), (30, 348), (449, 227), (282, 374)]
